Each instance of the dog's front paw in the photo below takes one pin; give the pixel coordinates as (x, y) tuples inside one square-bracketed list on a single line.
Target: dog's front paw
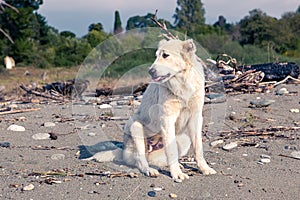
[(208, 171), (151, 172), (176, 173)]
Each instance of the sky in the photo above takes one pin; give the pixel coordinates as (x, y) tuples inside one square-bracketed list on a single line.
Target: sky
[(76, 16)]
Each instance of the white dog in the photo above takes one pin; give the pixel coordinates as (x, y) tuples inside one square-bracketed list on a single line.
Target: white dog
[(169, 119)]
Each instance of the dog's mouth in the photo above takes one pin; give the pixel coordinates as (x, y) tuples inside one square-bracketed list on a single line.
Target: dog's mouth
[(161, 78)]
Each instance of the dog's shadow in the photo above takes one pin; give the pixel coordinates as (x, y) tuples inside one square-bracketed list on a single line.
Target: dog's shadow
[(88, 151)]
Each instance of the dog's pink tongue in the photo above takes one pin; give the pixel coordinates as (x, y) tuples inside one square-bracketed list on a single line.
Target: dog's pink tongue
[(156, 79)]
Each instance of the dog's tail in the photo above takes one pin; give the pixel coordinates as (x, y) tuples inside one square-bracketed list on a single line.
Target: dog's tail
[(107, 156)]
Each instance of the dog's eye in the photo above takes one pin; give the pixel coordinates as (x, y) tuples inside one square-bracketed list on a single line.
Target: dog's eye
[(164, 55)]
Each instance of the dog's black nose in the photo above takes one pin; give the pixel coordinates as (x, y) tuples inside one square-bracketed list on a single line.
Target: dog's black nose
[(152, 71)]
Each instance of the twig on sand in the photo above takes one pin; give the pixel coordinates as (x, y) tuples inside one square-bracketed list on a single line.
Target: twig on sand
[(135, 189), (256, 132), (19, 111), (287, 78), (288, 156)]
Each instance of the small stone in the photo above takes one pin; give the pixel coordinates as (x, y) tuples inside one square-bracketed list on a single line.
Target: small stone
[(173, 196), (232, 116), (265, 160), (105, 106), (265, 156), (91, 134), (28, 187), (17, 128), (22, 119), (49, 124), (5, 144), (53, 136), (259, 104), (216, 143), (296, 154), (230, 146), (282, 91), (158, 189), (177, 180), (245, 154), (41, 136), (123, 102), (151, 194), (58, 157), (294, 110), (240, 185)]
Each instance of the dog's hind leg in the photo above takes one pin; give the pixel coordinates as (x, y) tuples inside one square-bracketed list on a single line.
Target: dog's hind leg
[(107, 156), (138, 137)]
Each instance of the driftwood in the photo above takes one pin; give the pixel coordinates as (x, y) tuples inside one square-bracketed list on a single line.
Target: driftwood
[(41, 94), (134, 89), (256, 132), (276, 71), (19, 111), (71, 88)]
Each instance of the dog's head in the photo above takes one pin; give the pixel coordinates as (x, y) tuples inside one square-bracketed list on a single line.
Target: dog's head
[(172, 57)]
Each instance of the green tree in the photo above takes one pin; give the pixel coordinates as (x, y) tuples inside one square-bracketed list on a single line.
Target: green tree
[(189, 17), (143, 22), (117, 25), (257, 28), (95, 37), (68, 34), (96, 27)]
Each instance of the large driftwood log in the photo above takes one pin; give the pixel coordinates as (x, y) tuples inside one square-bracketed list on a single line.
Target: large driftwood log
[(274, 71)]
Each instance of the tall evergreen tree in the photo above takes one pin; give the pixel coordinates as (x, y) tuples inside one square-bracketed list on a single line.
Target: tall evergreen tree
[(189, 16), (117, 25)]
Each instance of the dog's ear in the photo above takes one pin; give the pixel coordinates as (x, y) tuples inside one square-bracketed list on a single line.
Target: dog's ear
[(188, 50), (188, 46)]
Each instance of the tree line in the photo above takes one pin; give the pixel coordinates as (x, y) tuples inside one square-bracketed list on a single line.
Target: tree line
[(256, 38)]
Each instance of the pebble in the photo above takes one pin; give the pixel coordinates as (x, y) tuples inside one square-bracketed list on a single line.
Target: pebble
[(158, 189), (49, 124), (14, 127), (5, 144), (58, 157), (105, 106), (91, 134), (177, 180), (294, 110), (28, 187), (230, 146), (265, 156), (265, 160), (22, 119), (282, 91), (263, 103), (296, 154), (232, 116), (151, 194), (173, 196), (216, 143), (41, 136)]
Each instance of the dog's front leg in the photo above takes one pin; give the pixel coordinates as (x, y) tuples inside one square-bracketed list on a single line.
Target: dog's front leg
[(171, 149), (137, 133), (195, 132)]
